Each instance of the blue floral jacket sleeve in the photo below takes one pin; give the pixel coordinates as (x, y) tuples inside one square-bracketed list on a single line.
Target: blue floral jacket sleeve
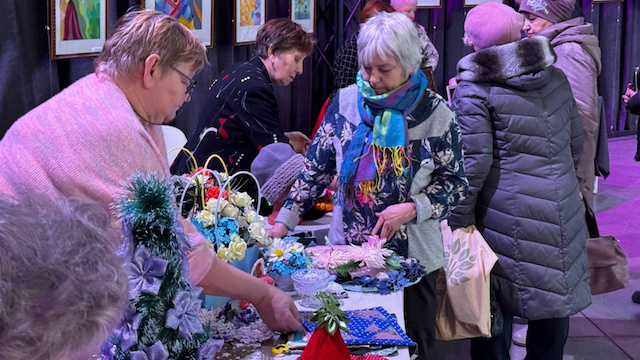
[(319, 166)]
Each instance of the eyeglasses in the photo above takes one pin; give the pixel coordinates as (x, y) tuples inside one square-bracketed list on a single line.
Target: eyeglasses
[(192, 83)]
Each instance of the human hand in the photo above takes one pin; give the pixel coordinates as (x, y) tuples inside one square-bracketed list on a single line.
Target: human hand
[(278, 230), (391, 218), (299, 141), (628, 94), (278, 311), (334, 184)]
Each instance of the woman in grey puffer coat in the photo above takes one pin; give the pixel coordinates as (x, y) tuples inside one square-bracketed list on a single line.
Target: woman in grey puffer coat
[(522, 137)]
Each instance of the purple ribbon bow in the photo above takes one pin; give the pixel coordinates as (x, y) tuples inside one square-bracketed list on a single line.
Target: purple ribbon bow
[(184, 315), (128, 330), (144, 272), (210, 349), (156, 351)]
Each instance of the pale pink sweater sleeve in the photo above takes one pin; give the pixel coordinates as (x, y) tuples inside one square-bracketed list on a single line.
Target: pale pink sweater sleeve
[(86, 142)]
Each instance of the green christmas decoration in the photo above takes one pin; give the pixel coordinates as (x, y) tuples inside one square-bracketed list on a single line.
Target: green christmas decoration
[(326, 341), (161, 320)]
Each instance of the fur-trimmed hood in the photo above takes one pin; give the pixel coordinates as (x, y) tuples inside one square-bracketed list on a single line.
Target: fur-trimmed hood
[(498, 64)]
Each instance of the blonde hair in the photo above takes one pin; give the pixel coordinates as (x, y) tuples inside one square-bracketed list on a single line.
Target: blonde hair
[(139, 34)]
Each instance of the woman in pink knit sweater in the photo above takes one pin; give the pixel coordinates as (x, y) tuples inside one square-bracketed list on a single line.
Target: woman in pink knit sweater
[(87, 140)]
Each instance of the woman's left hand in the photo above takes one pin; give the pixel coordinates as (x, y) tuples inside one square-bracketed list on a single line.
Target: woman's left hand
[(391, 218), (299, 141)]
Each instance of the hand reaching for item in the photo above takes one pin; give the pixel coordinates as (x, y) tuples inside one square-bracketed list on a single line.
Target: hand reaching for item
[(278, 311), (391, 218), (299, 141), (278, 230)]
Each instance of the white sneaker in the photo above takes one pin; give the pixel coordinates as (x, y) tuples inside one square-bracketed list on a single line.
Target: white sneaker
[(519, 336)]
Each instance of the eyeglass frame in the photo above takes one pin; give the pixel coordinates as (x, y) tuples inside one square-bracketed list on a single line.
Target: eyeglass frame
[(192, 83)]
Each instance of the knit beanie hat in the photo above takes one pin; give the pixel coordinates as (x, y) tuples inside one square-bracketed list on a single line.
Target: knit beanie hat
[(276, 167), (490, 24), (553, 10)]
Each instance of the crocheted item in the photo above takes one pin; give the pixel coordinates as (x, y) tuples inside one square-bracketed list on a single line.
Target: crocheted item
[(276, 167)]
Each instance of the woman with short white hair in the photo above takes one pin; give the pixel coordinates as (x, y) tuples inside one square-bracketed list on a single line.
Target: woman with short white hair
[(396, 150)]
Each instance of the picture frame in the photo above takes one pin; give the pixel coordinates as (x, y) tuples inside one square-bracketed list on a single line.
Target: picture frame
[(472, 3), (429, 4), (606, 1), (303, 12), (77, 28), (249, 15), (196, 15)]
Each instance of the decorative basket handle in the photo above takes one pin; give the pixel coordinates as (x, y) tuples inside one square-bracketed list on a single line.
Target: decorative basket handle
[(191, 180), (193, 158)]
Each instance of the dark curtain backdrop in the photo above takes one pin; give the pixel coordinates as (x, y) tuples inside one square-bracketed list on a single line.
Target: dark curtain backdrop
[(28, 77)]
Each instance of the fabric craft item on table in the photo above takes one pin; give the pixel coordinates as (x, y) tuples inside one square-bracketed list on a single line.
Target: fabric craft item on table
[(370, 267), (373, 326)]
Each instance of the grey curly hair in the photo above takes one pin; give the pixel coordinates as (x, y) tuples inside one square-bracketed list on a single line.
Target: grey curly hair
[(62, 287)]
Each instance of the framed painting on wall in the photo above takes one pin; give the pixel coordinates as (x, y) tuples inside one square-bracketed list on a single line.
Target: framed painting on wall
[(469, 3), (429, 4), (303, 12), (249, 16), (78, 27), (197, 15)]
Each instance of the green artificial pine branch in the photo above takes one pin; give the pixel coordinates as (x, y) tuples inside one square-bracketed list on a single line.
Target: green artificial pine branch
[(330, 316)]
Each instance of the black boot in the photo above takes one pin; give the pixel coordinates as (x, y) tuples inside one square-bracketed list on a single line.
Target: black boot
[(636, 297), (637, 157)]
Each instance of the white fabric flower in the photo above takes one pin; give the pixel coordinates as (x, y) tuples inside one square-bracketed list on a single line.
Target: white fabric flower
[(240, 199), (229, 210), (278, 250), (258, 232), (237, 247), (207, 217), (252, 216), (212, 204), (224, 253)]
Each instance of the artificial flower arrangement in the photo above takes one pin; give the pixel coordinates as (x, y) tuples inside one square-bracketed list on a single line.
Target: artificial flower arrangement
[(369, 267), (226, 217), (285, 256)]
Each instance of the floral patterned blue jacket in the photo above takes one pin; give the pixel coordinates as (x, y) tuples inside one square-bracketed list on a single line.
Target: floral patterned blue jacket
[(436, 182)]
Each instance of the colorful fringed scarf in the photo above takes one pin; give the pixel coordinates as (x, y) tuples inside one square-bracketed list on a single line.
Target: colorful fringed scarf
[(379, 144)]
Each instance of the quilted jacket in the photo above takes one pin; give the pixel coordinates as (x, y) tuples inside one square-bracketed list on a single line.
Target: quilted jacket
[(522, 137)]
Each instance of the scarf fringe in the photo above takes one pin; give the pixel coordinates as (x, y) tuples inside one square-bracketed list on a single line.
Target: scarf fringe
[(395, 158)]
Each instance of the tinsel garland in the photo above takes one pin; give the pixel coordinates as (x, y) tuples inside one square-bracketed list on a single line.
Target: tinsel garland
[(161, 321)]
